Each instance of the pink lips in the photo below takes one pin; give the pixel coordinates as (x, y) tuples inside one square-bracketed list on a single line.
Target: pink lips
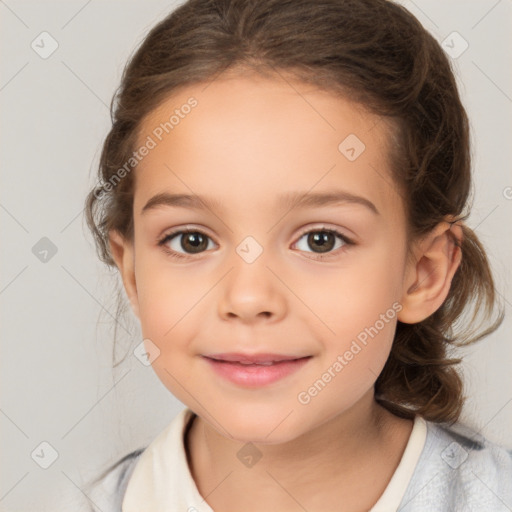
[(255, 370)]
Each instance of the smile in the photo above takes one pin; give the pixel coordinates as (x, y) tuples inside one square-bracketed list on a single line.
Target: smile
[(256, 374)]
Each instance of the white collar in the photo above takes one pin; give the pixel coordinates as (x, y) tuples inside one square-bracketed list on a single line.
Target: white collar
[(161, 480), (391, 498)]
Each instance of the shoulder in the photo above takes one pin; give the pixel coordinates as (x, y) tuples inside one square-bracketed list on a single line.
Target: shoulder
[(460, 470), (107, 490)]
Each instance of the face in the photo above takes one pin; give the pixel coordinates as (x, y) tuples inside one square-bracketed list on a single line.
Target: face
[(267, 264)]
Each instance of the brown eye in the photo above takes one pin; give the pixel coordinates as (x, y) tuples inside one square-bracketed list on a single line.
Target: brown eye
[(193, 242), (182, 243), (324, 241)]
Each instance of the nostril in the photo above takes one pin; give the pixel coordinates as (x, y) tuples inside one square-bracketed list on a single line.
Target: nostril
[(266, 314)]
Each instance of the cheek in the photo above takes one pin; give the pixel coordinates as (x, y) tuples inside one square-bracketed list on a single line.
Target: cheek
[(166, 299), (169, 305), (358, 307), (352, 298)]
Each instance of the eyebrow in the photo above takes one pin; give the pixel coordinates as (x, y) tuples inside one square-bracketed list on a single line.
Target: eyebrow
[(289, 200)]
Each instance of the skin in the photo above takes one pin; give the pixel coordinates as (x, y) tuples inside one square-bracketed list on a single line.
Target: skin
[(249, 140)]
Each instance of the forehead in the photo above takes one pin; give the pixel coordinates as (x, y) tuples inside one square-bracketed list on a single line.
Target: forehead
[(246, 139)]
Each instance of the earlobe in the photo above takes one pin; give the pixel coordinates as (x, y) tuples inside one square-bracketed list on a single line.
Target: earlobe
[(429, 277), (123, 254)]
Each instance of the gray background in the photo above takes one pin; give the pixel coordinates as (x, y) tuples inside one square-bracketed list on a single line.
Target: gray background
[(57, 381)]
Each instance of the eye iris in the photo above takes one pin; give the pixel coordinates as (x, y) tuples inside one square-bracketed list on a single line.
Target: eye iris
[(324, 239), (197, 241)]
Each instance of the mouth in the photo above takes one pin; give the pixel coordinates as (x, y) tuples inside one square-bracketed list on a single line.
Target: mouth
[(250, 373), (266, 359)]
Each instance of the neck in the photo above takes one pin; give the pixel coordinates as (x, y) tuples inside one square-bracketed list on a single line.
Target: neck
[(332, 464)]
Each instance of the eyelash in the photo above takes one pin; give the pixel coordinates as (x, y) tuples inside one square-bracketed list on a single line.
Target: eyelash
[(319, 257)]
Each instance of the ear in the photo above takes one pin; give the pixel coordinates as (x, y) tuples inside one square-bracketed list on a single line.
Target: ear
[(123, 253), (429, 275)]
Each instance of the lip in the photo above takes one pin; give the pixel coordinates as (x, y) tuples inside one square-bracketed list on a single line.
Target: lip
[(256, 375), (252, 358)]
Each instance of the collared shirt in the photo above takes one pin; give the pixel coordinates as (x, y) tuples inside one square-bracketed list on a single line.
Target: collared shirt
[(443, 469)]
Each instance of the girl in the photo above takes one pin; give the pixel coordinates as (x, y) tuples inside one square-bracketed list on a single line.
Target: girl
[(283, 191)]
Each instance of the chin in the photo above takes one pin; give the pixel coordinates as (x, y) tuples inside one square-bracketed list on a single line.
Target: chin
[(260, 429)]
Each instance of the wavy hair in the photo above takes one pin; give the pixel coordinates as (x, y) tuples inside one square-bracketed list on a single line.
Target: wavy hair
[(377, 54)]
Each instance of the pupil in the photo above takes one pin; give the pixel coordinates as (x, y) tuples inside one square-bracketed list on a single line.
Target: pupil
[(196, 241), (323, 239)]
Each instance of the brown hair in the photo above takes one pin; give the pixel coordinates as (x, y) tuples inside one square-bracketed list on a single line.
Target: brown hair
[(376, 53)]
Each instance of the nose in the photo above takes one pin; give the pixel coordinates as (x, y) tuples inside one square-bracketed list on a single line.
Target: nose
[(252, 293)]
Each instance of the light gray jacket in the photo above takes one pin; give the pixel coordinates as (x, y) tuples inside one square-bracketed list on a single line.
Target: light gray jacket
[(458, 471)]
